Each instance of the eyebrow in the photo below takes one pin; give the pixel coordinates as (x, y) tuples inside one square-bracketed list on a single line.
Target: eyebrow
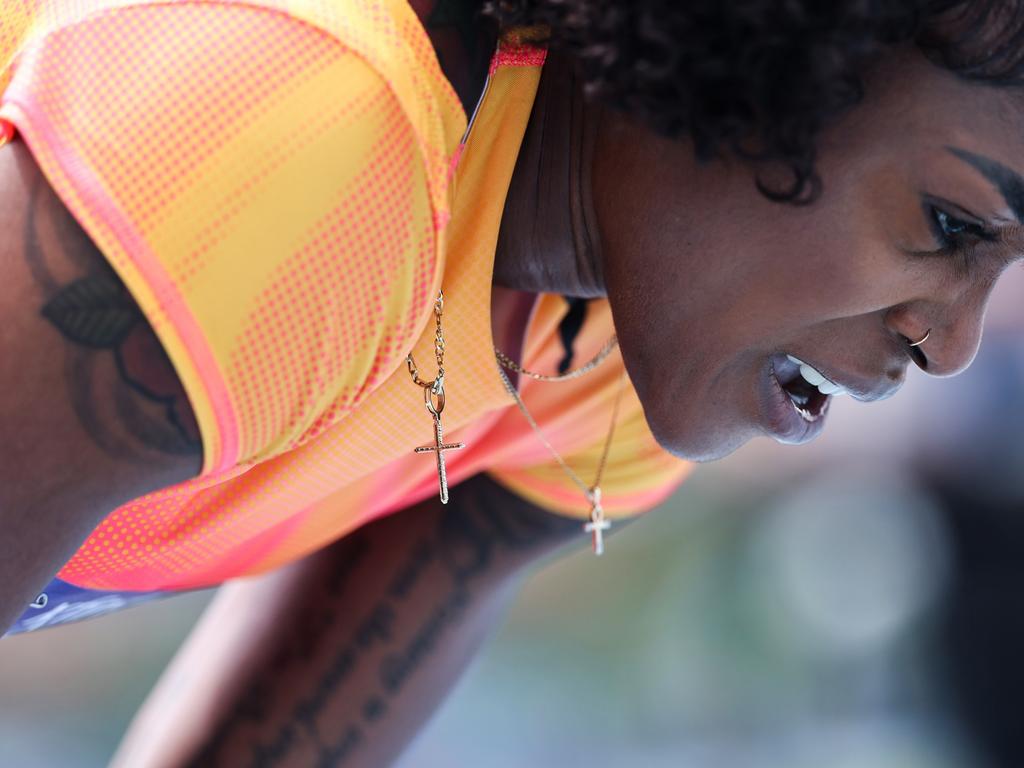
[(1009, 183)]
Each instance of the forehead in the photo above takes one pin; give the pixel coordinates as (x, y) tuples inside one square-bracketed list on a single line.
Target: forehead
[(913, 111), (907, 92)]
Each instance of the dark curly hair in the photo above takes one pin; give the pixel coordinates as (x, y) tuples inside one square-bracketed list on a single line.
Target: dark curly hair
[(761, 78)]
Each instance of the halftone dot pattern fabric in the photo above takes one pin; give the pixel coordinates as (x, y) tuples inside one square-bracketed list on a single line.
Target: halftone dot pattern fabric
[(281, 186), (183, 134)]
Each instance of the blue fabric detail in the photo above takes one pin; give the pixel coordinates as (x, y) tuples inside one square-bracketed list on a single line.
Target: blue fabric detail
[(62, 603)]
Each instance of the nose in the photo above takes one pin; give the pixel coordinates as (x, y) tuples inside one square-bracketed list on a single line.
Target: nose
[(951, 332)]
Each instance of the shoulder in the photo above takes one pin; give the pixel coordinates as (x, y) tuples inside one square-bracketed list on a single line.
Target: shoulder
[(325, 134), (92, 414)]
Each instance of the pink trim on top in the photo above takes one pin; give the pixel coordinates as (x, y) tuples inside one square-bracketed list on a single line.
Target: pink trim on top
[(518, 55), (167, 294), (453, 164)]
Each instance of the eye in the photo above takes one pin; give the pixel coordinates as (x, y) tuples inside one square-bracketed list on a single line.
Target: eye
[(953, 233), (957, 236)]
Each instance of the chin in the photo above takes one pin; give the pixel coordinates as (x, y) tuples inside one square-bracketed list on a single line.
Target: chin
[(700, 442)]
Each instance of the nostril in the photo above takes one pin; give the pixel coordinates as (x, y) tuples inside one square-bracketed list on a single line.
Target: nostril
[(917, 355)]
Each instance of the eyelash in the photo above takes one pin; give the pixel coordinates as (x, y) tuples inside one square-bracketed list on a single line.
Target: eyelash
[(959, 243)]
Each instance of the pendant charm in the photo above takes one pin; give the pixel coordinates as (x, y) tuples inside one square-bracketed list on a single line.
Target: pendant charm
[(439, 446), (597, 525)]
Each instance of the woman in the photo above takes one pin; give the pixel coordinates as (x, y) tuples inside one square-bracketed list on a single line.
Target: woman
[(230, 226)]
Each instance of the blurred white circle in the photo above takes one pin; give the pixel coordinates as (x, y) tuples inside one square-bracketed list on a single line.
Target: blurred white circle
[(854, 555)]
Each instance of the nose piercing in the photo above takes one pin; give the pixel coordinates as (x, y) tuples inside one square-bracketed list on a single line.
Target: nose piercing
[(922, 341)]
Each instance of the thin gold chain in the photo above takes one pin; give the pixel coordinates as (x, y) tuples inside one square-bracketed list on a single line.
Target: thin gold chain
[(438, 380), (512, 365), (587, 490)]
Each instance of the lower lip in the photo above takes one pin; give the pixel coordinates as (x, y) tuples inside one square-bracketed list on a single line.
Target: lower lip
[(779, 418)]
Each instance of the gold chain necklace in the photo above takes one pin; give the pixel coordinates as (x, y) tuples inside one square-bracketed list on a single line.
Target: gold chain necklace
[(597, 524), (434, 399), (512, 365)]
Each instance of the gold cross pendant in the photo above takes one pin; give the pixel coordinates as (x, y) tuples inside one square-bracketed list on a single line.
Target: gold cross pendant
[(439, 445), (597, 525)]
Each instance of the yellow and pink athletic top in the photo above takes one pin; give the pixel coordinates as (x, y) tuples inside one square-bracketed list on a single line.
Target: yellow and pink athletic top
[(283, 186)]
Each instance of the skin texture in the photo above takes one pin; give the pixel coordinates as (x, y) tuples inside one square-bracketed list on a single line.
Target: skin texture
[(547, 239), (338, 660), (707, 278), (92, 413)]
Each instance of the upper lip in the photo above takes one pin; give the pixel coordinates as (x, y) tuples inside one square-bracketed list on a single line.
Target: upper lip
[(863, 388)]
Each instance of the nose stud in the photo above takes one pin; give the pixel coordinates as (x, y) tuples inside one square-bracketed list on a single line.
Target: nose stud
[(922, 341)]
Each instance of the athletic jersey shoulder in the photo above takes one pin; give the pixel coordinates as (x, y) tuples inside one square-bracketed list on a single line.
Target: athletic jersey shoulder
[(203, 532), (269, 179)]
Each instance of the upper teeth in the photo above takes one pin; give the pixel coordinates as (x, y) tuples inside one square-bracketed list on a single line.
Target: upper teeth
[(813, 376)]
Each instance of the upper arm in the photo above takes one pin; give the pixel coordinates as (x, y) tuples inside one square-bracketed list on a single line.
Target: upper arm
[(283, 245), (92, 414)]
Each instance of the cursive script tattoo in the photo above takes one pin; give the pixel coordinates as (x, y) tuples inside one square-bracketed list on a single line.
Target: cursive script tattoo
[(458, 553)]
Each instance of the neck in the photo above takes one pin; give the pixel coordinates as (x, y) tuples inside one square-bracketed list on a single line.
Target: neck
[(548, 239)]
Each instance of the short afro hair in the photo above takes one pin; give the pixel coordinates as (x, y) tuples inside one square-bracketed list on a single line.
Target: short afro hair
[(759, 79)]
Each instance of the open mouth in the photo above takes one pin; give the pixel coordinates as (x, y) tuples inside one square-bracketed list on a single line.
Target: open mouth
[(807, 388)]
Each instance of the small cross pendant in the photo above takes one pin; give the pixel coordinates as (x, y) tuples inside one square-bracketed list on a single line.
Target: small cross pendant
[(440, 447), (597, 525)]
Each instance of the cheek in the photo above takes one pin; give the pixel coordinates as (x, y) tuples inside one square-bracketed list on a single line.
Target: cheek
[(861, 275), (707, 277), (683, 332), (835, 259)]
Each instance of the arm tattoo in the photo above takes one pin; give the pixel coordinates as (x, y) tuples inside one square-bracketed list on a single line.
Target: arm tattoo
[(462, 548), (98, 318)]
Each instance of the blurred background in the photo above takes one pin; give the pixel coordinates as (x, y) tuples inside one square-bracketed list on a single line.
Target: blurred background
[(851, 603)]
